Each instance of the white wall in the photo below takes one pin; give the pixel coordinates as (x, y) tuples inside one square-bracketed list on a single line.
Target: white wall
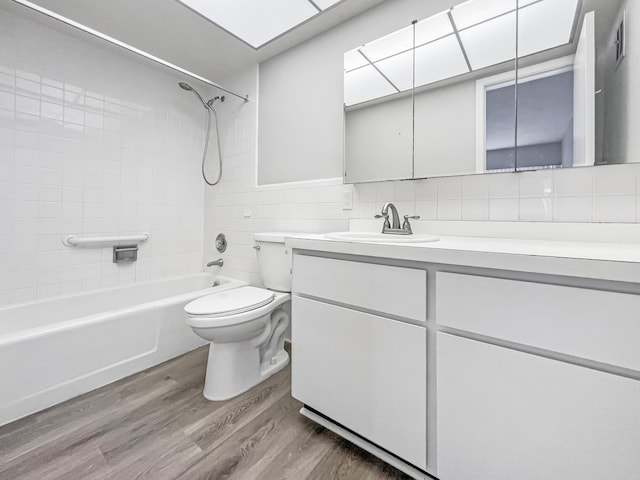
[(92, 141)]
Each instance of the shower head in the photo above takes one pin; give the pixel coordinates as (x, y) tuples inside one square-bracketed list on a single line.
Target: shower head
[(189, 88)]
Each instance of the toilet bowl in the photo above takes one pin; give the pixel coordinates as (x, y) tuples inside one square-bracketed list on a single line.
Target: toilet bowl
[(246, 326)]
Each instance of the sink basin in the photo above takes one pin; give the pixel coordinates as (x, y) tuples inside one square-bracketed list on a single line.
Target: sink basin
[(368, 237)]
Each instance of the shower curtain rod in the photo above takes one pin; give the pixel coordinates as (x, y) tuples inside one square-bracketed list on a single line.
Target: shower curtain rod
[(126, 46)]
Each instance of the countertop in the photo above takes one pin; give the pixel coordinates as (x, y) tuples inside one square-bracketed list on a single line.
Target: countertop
[(596, 260)]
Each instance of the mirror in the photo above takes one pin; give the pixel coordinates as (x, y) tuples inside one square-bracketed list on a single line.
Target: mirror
[(573, 102), (378, 86), (448, 95)]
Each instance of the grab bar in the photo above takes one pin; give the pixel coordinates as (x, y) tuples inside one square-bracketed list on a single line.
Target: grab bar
[(73, 241)]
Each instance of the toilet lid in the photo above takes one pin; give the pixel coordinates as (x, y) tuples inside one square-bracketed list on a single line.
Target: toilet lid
[(229, 302)]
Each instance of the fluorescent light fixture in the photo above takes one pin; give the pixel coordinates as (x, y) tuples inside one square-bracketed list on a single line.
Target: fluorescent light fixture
[(256, 22), (492, 42), (557, 18), (392, 44), (354, 59), (432, 28), (364, 84), (439, 60), (468, 37), (471, 13), (399, 70)]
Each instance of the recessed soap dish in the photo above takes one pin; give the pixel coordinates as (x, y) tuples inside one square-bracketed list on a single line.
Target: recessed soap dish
[(125, 253)]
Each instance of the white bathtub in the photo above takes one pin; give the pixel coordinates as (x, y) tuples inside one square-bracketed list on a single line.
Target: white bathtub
[(56, 349)]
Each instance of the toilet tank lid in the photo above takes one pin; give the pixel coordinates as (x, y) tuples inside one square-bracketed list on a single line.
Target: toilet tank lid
[(278, 237)]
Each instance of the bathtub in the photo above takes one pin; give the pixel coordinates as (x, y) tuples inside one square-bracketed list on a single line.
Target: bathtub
[(56, 349)]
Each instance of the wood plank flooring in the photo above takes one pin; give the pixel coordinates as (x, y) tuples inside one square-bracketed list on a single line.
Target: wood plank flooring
[(157, 425)]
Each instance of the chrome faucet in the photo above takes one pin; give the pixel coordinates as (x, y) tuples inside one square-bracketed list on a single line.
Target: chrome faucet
[(217, 263), (385, 214), (394, 227)]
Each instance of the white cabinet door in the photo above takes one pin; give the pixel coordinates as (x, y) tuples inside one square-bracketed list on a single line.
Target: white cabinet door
[(365, 372), (505, 415)]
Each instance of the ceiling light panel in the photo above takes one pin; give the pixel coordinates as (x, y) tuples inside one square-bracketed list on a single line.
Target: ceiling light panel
[(439, 60), (354, 59), (364, 84), (492, 42), (392, 44), (254, 21), (324, 4), (432, 28), (558, 19), (399, 70), (477, 11)]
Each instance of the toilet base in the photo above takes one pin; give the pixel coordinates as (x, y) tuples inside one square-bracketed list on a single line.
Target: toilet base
[(234, 368)]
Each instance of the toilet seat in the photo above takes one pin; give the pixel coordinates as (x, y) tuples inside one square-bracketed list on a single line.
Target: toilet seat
[(230, 302)]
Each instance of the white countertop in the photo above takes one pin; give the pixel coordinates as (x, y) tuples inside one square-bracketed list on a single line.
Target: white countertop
[(597, 260)]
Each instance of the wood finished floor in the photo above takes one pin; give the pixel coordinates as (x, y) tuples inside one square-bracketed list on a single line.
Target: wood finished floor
[(157, 425)]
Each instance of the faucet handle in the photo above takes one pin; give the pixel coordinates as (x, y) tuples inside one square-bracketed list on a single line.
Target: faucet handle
[(387, 224), (406, 226)]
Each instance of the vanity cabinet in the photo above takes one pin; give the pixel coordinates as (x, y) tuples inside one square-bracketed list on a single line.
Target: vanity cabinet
[(505, 414), (536, 380), (359, 350)]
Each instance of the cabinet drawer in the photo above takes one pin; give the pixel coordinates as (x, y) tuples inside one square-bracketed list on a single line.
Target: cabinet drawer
[(505, 415), (591, 324), (382, 288), (365, 372)]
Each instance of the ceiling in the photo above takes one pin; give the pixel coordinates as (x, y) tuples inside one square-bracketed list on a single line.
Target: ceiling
[(257, 22), (170, 30)]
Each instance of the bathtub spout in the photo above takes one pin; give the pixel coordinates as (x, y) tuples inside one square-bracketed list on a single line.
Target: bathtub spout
[(280, 319)]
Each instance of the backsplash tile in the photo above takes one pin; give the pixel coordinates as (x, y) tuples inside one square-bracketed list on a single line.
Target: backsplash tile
[(573, 182), (536, 184), (536, 209), (504, 209), (475, 209), (615, 180), (475, 186), (573, 209), (614, 208)]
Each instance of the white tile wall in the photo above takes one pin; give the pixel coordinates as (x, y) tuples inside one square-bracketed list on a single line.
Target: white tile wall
[(92, 141)]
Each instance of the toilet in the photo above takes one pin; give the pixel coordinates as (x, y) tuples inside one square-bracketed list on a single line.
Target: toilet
[(246, 326)]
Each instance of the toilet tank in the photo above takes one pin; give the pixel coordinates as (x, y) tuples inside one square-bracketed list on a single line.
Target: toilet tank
[(274, 260)]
